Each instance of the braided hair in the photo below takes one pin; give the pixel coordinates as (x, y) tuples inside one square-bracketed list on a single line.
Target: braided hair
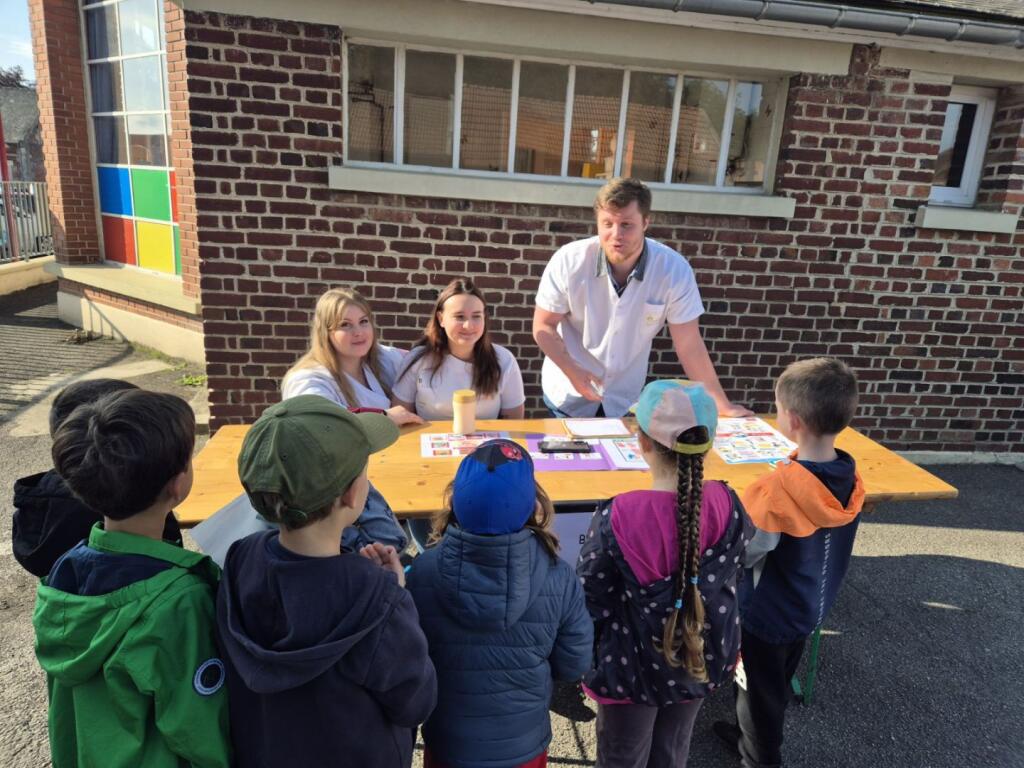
[(683, 639)]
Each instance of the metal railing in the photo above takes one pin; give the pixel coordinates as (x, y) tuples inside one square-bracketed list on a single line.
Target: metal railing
[(25, 230)]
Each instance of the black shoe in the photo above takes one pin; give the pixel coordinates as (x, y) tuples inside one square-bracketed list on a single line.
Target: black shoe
[(569, 701), (729, 733)]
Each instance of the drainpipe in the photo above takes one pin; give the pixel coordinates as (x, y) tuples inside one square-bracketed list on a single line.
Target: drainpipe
[(841, 16)]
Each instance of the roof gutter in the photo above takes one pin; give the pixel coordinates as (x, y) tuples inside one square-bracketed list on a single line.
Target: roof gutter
[(840, 16)]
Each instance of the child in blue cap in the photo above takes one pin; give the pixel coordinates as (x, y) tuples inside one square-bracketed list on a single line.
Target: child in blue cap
[(660, 569), (503, 615)]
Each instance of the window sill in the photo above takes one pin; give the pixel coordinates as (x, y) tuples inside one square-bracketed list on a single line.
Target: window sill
[(133, 283), (965, 219), (555, 192)]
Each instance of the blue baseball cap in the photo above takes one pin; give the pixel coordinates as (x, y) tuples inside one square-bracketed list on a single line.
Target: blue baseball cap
[(494, 490), (669, 407)]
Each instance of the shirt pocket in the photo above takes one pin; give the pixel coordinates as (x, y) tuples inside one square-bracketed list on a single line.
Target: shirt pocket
[(653, 317)]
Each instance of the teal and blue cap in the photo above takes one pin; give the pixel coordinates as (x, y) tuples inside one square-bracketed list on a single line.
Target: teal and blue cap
[(494, 491), (668, 408)]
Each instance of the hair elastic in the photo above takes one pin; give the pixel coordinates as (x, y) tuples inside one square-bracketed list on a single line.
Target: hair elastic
[(693, 579), (679, 604)]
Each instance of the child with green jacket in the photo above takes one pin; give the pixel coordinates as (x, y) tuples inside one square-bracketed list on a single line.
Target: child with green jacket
[(124, 621)]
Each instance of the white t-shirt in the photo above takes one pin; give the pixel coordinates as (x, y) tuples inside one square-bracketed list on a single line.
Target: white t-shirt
[(607, 334), (432, 394), (317, 380)]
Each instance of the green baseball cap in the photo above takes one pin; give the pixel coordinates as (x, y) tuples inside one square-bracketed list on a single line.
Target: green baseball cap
[(308, 450)]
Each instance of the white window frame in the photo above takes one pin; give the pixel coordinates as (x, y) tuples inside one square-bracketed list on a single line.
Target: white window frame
[(680, 74), (974, 162)]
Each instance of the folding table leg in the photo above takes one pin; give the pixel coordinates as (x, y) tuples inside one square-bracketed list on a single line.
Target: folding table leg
[(804, 692)]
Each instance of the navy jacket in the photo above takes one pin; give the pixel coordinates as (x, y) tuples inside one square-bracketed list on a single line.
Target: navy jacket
[(49, 520), (502, 618), (326, 662), (807, 517)]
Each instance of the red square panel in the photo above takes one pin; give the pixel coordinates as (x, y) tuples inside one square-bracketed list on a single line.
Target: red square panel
[(174, 197), (119, 239)]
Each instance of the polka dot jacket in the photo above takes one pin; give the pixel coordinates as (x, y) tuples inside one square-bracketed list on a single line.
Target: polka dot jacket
[(630, 613)]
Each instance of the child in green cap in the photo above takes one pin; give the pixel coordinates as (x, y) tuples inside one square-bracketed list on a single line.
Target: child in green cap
[(326, 662)]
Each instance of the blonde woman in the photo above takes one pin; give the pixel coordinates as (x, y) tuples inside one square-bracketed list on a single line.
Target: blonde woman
[(349, 366)]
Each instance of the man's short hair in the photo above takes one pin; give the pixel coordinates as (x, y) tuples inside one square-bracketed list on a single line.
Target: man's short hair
[(620, 192), (79, 393), (822, 391), (117, 454)]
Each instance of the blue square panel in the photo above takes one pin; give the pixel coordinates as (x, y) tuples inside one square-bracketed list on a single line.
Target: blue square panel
[(115, 191)]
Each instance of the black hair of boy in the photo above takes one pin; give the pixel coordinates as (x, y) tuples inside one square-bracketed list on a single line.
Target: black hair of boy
[(822, 391), (118, 453), (80, 393)]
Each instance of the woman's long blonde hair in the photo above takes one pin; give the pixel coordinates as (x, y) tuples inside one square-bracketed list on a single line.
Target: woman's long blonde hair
[(330, 308), (539, 522)]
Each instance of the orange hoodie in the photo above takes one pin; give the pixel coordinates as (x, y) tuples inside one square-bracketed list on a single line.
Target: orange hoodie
[(792, 500)]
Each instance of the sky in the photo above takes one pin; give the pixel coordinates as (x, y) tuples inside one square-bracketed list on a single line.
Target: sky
[(15, 37)]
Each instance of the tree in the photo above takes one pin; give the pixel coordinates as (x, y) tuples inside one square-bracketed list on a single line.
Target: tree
[(13, 77)]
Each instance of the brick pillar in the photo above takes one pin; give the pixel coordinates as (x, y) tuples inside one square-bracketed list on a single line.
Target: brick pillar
[(180, 143), (1002, 181), (63, 115)]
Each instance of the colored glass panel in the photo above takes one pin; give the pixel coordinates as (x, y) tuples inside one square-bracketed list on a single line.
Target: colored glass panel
[(119, 239), (115, 191), (177, 250), (155, 246), (151, 194)]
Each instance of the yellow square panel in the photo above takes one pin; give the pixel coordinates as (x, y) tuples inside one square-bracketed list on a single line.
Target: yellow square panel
[(155, 243)]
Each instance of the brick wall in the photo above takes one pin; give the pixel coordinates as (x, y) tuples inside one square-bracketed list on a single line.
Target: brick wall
[(931, 320), (63, 116)]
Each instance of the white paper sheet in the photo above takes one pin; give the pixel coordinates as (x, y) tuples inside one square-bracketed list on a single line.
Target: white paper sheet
[(624, 453), (749, 440), (596, 428), (440, 445)]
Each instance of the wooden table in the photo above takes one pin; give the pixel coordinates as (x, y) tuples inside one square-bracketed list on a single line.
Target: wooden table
[(414, 485)]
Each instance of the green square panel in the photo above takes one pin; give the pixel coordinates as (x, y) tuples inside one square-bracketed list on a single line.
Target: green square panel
[(177, 250), (151, 194)]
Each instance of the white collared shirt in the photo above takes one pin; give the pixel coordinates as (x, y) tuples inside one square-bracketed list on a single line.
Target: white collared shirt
[(317, 380), (607, 334)]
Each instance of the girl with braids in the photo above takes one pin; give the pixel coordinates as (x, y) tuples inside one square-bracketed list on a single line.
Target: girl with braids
[(456, 352), (660, 570), (347, 364)]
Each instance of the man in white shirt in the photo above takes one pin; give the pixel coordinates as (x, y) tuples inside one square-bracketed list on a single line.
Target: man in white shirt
[(602, 301)]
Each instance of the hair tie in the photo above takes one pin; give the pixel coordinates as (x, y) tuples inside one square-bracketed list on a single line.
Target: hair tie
[(679, 604), (693, 579)]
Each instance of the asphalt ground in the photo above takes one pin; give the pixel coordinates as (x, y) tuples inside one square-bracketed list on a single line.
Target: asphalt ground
[(921, 660)]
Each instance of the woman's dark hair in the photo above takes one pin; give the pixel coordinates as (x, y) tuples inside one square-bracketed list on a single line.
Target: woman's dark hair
[(117, 454), (434, 342), (539, 522), (683, 638)]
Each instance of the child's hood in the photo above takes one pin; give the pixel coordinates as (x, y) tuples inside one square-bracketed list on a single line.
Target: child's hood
[(284, 623), (792, 500), (488, 582), (77, 634)]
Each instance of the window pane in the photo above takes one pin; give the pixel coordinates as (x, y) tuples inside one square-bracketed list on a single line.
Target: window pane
[(143, 84), (140, 26), (429, 107), (648, 125), (699, 137), (146, 145), (110, 144), (956, 139), (595, 122), (748, 144), (486, 103), (105, 82), (540, 124), (101, 32), (371, 103)]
